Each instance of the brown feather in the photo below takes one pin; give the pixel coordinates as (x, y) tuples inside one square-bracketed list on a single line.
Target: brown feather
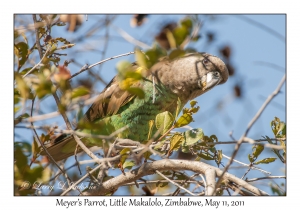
[(108, 102)]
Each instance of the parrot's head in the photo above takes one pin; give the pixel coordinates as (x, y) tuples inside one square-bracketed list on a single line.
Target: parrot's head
[(193, 74)]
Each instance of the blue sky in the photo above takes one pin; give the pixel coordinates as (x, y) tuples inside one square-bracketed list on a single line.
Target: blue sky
[(250, 45)]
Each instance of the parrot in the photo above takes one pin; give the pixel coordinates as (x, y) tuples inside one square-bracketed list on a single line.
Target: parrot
[(182, 78)]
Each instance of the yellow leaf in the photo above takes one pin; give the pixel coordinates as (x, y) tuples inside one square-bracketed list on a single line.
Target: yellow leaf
[(171, 39), (151, 125), (179, 107), (193, 103), (35, 148), (141, 58), (185, 119), (176, 141), (164, 121), (124, 154)]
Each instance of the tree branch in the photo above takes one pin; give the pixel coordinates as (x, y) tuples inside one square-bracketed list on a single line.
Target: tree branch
[(166, 178), (251, 123), (167, 164), (87, 67)]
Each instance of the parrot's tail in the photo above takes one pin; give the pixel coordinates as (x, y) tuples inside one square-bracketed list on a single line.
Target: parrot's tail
[(63, 147)]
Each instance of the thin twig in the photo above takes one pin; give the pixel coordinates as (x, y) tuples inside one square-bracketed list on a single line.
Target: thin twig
[(271, 65), (76, 160), (57, 113), (37, 63), (36, 26), (37, 136), (68, 124), (100, 165), (247, 165), (85, 67), (272, 146), (254, 119), (266, 177), (130, 39), (186, 190), (189, 38), (262, 26), (248, 170), (161, 181), (80, 180), (48, 154), (204, 182)]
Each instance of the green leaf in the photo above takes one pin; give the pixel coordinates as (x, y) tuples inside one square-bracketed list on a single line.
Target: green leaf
[(79, 114), (162, 184), (185, 119), (219, 157), (44, 137), (22, 86), (265, 161), (141, 59), (281, 127), (179, 107), (63, 40), (16, 95), (44, 89), (214, 138), (24, 146), (257, 150), (188, 23), (198, 158), (180, 34), (151, 126), (133, 75), (196, 38), (159, 144), (24, 71), (128, 164), (79, 91), (123, 67), (205, 156), (147, 155), (124, 154), (171, 39), (35, 149), (250, 158), (153, 56), (136, 91), (275, 150), (185, 149), (193, 103), (24, 37), (192, 136), (20, 118), (176, 53), (17, 108), (278, 128), (164, 121), (195, 109), (176, 141), (21, 51)]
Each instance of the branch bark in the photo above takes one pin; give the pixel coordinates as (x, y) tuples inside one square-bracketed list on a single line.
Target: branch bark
[(167, 164)]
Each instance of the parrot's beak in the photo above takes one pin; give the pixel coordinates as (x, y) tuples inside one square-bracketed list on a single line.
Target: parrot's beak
[(209, 80)]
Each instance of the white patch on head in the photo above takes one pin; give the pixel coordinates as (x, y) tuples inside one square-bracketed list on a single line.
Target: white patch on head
[(208, 77)]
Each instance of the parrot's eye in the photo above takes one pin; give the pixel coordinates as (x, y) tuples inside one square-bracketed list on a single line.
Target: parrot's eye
[(205, 61), (216, 74)]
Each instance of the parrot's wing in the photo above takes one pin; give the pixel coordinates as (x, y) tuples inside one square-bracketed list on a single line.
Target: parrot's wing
[(110, 100)]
